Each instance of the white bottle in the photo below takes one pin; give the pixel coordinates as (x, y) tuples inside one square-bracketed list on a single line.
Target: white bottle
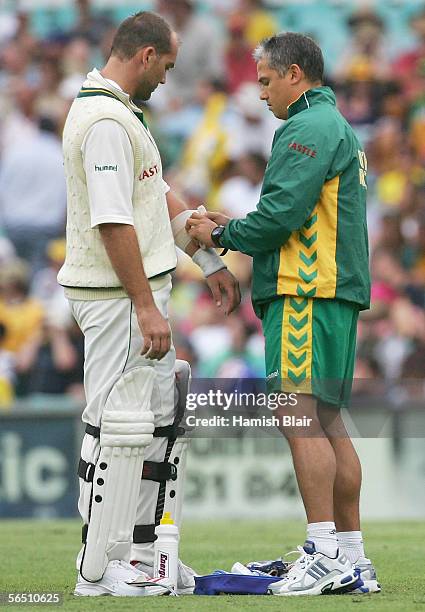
[(166, 549)]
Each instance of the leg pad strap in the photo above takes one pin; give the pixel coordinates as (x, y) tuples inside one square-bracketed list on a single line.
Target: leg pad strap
[(143, 534), (86, 470), (159, 472)]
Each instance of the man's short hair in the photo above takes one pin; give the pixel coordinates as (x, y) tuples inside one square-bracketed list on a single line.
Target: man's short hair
[(144, 29), (283, 50)]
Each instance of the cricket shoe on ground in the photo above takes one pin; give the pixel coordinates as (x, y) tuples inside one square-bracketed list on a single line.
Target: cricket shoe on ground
[(368, 576), (185, 576), (123, 580), (314, 573)]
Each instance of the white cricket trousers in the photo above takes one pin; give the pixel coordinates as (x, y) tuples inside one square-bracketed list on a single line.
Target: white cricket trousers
[(113, 343)]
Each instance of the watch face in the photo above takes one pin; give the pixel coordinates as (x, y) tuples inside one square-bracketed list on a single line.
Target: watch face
[(216, 233)]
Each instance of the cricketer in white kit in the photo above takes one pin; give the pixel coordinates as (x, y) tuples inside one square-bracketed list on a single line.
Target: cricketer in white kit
[(123, 224)]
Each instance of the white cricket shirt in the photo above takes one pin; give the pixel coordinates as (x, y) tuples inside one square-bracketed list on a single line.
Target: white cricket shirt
[(107, 145)]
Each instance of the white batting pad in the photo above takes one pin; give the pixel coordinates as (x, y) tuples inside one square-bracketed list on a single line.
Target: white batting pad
[(126, 429)]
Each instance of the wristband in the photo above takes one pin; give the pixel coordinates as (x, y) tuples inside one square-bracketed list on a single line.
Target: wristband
[(208, 261)]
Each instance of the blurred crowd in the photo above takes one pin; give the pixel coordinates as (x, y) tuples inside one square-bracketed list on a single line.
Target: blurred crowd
[(215, 137)]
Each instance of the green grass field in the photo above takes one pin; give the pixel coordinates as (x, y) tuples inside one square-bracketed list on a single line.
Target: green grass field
[(39, 556)]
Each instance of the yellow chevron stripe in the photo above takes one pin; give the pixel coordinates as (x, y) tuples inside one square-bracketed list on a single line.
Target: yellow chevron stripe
[(288, 277), (287, 345), (310, 231)]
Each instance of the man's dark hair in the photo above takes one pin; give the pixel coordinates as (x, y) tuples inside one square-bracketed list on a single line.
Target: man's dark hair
[(287, 48), (143, 29)]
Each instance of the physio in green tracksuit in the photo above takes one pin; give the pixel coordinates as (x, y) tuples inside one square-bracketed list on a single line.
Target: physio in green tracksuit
[(308, 240)]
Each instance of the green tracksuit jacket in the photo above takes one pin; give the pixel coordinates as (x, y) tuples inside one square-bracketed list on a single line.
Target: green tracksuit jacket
[(308, 236)]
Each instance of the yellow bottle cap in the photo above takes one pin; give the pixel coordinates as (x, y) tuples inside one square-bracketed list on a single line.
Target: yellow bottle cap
[(166, 519)]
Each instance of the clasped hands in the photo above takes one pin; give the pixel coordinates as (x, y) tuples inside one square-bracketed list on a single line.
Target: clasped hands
[(200, 225)]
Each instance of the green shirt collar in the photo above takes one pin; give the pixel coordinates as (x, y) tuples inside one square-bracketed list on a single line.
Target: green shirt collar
[(96, 84), (311, 97)]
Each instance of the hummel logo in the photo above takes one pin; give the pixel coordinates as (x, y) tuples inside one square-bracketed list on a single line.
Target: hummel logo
[(103, 168), (274, 374)]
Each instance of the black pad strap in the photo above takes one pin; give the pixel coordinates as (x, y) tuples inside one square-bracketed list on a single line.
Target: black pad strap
[(84, 531), (159, 472), (143, 534), (92, 430), (86, 470), (169, 431)]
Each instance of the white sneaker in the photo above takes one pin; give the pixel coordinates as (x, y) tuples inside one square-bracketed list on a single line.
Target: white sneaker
[(185, 576), (123, 580), (314, 573), (368, 576)]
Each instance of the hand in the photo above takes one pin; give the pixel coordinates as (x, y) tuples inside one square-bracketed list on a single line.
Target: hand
[(218, 218), (223, 281), (199, 228), (156, 333)]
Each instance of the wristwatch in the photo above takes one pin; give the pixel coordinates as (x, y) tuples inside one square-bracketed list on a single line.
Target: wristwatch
[(216, 235)]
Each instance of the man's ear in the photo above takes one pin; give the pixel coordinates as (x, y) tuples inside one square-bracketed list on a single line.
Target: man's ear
[(296, 73), (146, 55)]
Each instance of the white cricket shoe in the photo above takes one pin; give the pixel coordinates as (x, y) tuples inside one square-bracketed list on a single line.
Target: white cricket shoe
[(123, 580), (368, 576), (314, 573), (185, 576)]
